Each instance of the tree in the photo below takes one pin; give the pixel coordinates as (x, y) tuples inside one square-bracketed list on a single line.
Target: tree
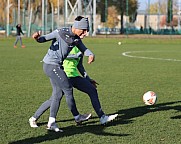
[(160, 7), (101, 8), (55, 3), (112, 19), (128, 8), (166, 7), (3, 12), (169, 11), (123, 7)]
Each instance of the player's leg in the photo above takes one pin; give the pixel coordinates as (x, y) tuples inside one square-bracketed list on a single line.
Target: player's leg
[(39, 112), (67, 89), (55, 99), (16, 41), (52, 71), (21, 43), (85, 86)]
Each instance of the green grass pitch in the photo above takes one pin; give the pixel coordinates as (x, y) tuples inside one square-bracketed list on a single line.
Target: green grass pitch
[(149, 64)]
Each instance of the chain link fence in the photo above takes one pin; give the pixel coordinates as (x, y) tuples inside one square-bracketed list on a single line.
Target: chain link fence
[(154, 17)]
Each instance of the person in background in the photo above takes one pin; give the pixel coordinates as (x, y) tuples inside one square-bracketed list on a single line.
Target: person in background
[(18, 36), (73, 65)]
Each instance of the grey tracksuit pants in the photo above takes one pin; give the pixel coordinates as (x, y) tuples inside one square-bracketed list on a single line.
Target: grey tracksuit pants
[(60, 85), (18, 38)]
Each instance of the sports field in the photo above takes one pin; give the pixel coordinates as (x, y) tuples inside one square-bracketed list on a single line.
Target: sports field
[(124, 73)]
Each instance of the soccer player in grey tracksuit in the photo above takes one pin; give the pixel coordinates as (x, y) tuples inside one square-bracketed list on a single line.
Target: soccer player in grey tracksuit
[(63, 40)]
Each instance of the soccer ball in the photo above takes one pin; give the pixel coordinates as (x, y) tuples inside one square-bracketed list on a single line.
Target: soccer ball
[(149, 98), (119, 43)]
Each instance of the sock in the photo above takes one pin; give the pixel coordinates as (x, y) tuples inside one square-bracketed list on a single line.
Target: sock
[(76, 117), (102, 116), (50, 121)]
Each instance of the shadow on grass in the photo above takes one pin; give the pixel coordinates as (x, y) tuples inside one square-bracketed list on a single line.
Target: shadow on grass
[(71, 130), (128, 114), (125, 117)]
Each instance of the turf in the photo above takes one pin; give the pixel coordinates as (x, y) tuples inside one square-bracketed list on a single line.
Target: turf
[(123, 80)]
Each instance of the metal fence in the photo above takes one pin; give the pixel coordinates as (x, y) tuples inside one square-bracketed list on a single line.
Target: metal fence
[(151, 17)]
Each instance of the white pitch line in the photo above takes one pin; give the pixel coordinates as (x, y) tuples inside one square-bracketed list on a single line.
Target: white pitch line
[(127, 54)]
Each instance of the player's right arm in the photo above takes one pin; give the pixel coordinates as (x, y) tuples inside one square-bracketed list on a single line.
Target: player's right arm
[(44, 38)]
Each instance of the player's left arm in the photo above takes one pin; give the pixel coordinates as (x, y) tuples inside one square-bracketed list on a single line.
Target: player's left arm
[(81, 69), (83, 72), (21, 31), (86, 52)]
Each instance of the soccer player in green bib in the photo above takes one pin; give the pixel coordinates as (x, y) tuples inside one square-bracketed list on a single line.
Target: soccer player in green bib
[(73, 67)]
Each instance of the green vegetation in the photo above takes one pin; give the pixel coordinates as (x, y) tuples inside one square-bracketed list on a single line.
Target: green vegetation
[(123, 81)]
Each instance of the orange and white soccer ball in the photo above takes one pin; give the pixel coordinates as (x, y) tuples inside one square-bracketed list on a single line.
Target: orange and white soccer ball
[(150, 98)]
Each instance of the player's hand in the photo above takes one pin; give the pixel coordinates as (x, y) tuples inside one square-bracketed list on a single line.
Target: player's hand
[(91, 58), (36, 35), (94, 83)]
